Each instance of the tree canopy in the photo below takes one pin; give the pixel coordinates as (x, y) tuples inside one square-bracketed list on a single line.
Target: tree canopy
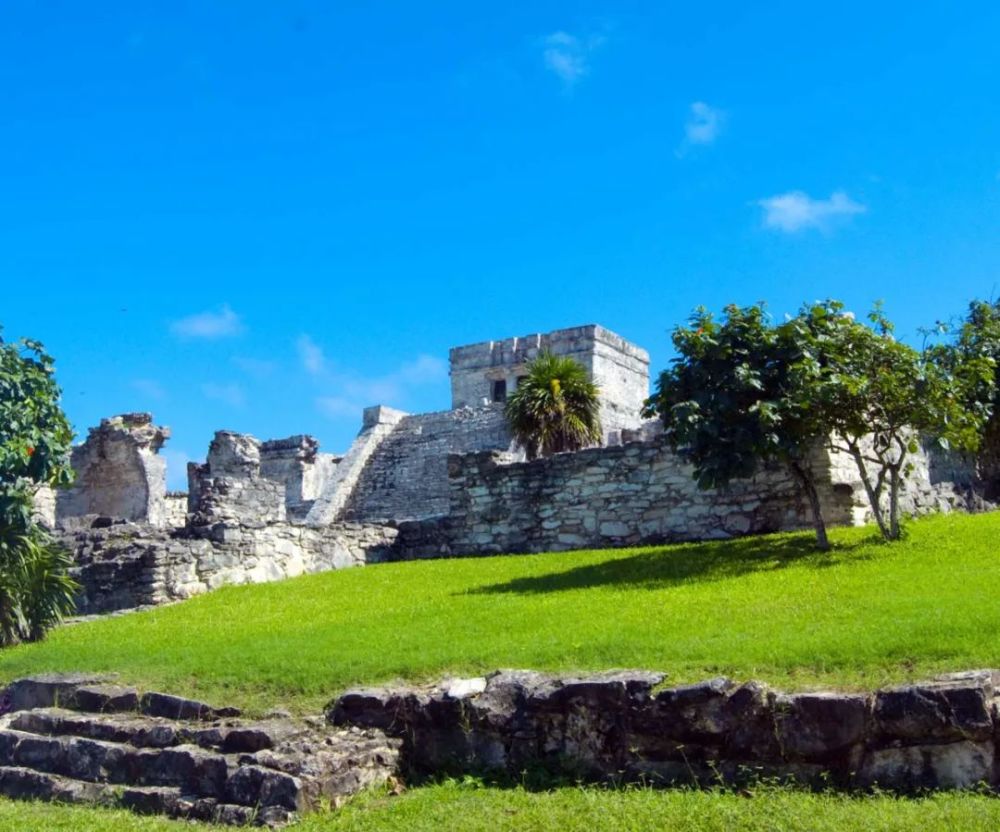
[(744, 392)]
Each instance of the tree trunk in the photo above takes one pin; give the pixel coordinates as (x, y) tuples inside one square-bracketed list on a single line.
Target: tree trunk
[(804, 475), (895, 481), (874, 495)]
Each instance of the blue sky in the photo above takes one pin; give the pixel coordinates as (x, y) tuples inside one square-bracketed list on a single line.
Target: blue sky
[(264, 216)]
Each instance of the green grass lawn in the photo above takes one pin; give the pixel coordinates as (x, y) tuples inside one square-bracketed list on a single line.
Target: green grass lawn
[(458, 808), (767, 607)]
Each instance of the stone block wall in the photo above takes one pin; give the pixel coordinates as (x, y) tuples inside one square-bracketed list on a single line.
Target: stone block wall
[(939, 481), (297, 463), (408, 476), (175, 506), (230, 488), (639, 493), (621, 726), (126, 565), (378, 423)]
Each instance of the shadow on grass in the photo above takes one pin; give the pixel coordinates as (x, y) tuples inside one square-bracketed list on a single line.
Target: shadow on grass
[(691, 563)]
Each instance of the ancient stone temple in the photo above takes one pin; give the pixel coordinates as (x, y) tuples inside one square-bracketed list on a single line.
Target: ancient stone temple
[(443, 484), (489, 371)]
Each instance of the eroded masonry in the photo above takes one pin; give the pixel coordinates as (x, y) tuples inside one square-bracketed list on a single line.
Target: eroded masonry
[(442, 484)]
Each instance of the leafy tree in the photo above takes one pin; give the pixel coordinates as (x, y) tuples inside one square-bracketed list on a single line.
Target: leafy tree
[(878, 395), (555, 407), (737, 397), (742, 393), (35, 587), (975, 340)]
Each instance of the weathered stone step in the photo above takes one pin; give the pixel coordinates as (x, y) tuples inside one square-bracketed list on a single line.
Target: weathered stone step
[(27, 784), (195, 770), (94, 694), (150, 732), (78, 739)]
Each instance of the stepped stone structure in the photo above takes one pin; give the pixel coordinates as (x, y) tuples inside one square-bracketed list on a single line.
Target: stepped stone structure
[(81, 739), (442, 484)]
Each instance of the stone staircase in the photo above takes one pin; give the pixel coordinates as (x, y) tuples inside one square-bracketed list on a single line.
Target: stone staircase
[(79, 739)]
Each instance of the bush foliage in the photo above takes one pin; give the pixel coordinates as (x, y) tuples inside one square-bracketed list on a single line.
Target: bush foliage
[(35, 587)]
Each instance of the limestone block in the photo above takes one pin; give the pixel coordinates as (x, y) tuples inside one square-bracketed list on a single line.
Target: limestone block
[(957, 765)]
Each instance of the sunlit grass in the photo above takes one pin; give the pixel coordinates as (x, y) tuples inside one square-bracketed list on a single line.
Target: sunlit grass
[(767, 607), (455, 807)]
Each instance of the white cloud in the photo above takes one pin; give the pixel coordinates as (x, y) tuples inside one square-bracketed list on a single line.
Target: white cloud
[(311, 355), (338, 406), (231, 394), (426, 369), (150, 389), (567, 56), (222, 324), (257, 367), (704, 124), (353, 393), (796, 210)]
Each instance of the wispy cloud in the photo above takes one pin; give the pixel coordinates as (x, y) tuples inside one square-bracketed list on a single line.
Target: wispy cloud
[(797, 211), (568, 56), (347, 393), (231, 394), (221, 324), (256, 367), (703, 125), (311, 355), (150, 389), (337, 407)]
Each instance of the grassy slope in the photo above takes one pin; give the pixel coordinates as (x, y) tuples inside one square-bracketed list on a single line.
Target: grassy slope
[(766, 607), (461, 809)]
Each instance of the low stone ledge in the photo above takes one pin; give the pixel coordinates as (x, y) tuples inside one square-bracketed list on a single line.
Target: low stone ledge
[(610, 726)]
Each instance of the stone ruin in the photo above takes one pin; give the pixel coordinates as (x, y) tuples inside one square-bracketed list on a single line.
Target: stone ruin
[(119, 472), (80, 739), (442, 484), (74, 738), (451, 484)]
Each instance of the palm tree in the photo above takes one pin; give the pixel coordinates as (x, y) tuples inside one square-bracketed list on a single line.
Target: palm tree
[(555, 407)]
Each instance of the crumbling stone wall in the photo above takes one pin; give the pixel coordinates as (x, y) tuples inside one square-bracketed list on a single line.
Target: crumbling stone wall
[(619, 726), (118, 472), (229, 486), (297, 463), (126, 565), (639, 493), (175, 509), (244, 480)]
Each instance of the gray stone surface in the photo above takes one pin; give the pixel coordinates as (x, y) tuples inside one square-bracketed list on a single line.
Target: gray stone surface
[(620, 725), (204, 768), (408, 477), (129, 565), (118, 472), (620, 368), (637, 493)]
